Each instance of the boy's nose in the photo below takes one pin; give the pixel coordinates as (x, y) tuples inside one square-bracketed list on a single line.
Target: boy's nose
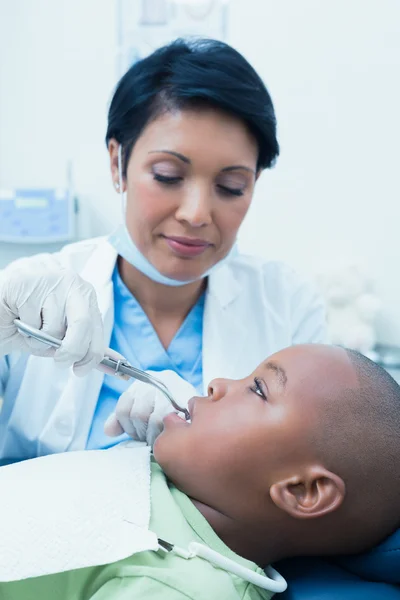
[(218, 388), (195, 208)]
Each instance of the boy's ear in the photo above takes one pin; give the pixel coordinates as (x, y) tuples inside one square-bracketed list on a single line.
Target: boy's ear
[(314, 493)]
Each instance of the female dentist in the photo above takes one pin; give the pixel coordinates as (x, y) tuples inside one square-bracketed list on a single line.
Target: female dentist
[(190, 129)]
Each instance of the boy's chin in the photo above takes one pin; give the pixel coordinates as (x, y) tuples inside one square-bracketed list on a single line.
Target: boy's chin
[(162, 446), (156, 446), (166, 449)]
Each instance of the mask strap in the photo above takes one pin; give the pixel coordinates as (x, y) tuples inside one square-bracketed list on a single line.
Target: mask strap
[(121, 192)]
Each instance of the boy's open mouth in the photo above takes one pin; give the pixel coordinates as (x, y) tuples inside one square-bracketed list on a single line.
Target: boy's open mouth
[(191, 406)]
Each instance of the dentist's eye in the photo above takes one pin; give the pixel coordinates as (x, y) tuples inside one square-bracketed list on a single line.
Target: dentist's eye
[(164, 179), (257, 388), (227, 191)]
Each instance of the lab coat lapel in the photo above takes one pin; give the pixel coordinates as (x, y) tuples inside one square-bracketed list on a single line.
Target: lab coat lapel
[(73, 412), (223, 327)]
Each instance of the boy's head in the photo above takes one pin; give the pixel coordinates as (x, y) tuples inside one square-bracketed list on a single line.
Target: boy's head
[(303, 455)]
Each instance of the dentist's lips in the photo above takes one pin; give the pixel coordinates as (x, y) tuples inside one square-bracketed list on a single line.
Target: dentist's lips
[(187, 247)]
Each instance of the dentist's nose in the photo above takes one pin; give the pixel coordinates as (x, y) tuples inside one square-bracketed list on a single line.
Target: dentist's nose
[(195, 208), (218, 388)]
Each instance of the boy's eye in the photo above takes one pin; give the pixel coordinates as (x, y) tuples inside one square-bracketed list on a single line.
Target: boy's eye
[(257, 388)]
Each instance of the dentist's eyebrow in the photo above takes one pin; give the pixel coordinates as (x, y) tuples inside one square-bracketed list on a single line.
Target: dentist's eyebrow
[(236, 167), (187, 160), (181, 157), (278, 371)]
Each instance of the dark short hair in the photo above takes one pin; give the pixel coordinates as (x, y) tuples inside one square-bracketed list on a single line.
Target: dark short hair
[(192, 74), (360, 441)]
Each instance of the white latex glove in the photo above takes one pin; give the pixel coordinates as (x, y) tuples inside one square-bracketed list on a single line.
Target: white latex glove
[(43, 294), (142, 407)]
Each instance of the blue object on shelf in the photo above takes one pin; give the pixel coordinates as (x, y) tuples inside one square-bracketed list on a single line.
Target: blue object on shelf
[(36, 216)]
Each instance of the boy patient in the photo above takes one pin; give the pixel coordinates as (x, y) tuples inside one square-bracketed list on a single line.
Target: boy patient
[(300, 458)]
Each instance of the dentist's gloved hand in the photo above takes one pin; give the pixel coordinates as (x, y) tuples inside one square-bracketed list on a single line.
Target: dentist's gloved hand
[(141, 408), (43, 294)]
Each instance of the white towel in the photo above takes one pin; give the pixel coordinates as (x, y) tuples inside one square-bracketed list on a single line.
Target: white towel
[(74, 510)]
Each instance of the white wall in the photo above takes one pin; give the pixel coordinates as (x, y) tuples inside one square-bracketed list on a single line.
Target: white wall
[(333, 72), (57, 72), (333, 69)]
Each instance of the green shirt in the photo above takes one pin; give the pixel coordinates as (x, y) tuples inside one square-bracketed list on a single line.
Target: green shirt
[(151, 575)]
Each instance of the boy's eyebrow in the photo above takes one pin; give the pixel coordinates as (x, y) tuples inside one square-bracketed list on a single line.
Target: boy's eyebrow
[(279, 372)]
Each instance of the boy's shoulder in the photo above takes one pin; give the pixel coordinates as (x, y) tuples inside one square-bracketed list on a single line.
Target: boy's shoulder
[(174, 518)]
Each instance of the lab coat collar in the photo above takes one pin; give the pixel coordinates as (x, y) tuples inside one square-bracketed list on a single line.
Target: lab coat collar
[(98, 271), (222, 283), (223, 326), (100, 265), (223, 286)]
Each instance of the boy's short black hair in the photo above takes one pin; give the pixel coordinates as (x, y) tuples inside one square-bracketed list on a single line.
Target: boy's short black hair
[(360, 441)]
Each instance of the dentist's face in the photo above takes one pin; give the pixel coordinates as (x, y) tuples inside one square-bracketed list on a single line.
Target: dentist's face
[(190, 181)]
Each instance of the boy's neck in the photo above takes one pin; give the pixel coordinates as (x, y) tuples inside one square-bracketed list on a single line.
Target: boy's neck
[(248, 541), (275, 538)]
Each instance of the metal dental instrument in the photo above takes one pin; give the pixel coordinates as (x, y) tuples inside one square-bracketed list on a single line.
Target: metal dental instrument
[(119, 367)]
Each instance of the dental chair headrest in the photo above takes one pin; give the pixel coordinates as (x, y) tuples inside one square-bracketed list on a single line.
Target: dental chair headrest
[(382, 563)]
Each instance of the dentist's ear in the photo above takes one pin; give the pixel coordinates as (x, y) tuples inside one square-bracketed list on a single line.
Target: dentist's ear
[(113, 150), (313, 493)]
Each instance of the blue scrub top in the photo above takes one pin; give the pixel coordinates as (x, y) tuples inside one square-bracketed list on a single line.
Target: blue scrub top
[(134, 337)]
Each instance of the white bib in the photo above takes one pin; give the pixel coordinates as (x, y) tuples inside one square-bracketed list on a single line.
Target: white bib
[(74, 510)]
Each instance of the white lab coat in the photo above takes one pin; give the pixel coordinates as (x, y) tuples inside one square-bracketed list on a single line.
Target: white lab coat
[(252, 309)]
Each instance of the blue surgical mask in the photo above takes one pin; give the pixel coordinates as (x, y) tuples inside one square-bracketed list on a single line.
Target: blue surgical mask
[(122, 242)]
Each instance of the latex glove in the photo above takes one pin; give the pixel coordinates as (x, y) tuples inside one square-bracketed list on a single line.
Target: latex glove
[(142, 407), (43, 294)]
